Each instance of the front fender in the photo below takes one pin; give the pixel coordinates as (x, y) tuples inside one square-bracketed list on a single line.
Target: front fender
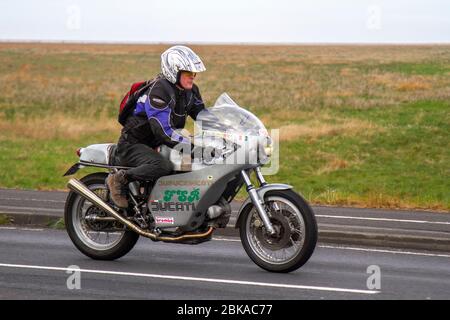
[(261, 192)]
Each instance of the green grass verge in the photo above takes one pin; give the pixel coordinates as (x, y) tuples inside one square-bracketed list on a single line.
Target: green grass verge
[(361, 126), (4, 219), (58, 224)]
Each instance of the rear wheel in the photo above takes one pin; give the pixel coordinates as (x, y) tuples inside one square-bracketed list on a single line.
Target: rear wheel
[(296, 232), (98, 240)]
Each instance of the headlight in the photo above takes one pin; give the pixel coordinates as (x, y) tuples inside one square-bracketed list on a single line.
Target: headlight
[(268, 150), (268, 146)]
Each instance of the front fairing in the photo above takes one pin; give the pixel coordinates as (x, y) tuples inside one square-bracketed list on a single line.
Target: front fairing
[(226, 124)]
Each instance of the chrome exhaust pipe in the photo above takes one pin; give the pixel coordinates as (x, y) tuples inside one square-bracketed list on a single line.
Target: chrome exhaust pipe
[(82, 190), (95, 218)]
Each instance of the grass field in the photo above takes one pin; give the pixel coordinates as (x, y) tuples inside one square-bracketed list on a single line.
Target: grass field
[(360, 125)]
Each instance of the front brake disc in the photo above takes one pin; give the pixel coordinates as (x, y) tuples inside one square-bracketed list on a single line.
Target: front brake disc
[(282, 237)]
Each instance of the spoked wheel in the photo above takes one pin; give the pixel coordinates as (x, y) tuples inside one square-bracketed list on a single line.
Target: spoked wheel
[(295, 235), (103, 240)]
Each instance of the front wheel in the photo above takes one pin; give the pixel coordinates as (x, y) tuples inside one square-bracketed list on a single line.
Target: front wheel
[(296, 232)]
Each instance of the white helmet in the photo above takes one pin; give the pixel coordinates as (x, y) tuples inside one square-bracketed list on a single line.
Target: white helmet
[(179, 58)]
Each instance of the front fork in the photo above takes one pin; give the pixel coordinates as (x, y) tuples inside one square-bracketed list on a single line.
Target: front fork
[(256, 200)]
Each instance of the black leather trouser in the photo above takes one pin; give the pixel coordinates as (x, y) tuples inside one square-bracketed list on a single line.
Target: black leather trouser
[(147, 164)]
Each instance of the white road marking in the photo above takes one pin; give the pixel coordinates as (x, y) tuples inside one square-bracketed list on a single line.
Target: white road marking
[(38, 200), (169, 277), (33, 209), (388, 251), (362, 249), (319, 246), (382, 219), (30, 209), (226, 239), (24, 229), (31, 229)]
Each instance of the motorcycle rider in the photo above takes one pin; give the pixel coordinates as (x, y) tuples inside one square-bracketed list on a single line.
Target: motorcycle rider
[(158, 113)]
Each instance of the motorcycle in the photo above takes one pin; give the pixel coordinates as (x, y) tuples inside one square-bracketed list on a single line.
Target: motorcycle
[(277, 227)]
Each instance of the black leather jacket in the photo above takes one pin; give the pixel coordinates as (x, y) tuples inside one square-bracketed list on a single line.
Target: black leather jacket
[(158, 112)]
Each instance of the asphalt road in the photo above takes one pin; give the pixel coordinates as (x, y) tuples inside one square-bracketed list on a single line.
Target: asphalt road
[(417, 223), (33, 265)]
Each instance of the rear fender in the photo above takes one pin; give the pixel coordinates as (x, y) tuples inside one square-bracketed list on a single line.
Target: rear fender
[(73, 169)]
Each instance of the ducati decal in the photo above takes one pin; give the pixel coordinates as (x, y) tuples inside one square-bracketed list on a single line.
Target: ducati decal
[(172, 206)]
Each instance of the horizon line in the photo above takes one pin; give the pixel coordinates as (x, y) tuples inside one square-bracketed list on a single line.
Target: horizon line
[(212, 42)]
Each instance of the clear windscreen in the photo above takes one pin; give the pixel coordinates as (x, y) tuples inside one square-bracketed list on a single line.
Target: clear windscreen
[(228, 118)]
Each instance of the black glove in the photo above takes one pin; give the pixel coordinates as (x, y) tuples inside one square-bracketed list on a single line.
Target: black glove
[(207, 153)]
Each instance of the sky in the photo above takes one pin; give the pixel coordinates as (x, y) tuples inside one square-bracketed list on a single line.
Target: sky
[(230, 21)]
